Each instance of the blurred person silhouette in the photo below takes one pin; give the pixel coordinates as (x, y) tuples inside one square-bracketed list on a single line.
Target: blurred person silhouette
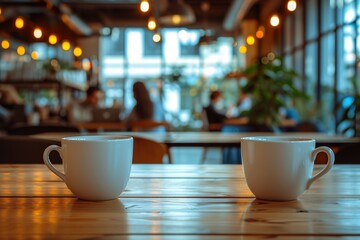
[(213, 111), (145, 108), (82, 111), (243, 103)]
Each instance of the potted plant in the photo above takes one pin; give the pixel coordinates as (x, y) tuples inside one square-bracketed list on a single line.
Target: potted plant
[(270, 85)]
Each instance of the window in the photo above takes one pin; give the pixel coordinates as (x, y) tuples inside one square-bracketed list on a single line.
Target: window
[(327, 15), (311, 19)]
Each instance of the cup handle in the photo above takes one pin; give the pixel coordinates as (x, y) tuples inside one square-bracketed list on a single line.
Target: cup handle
[(330, 163), (48, 162)]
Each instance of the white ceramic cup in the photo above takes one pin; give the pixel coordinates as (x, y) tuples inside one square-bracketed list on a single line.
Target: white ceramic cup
[(281, 168), (95, 167)]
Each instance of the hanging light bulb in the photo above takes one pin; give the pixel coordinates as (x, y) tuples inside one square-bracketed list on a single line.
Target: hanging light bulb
[(65, 45), (260, 32), (144, 6), (77, 52), (242, 49), (19, 23), (52, 39), (274, 20), (37, 33), (151, 23), (250, 40), (291, 5), (5, 44), (20, 50), (34, 55), (157, 37)]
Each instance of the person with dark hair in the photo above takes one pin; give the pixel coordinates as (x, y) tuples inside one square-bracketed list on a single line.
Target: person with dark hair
[(144, 108), (212, 113), (82, 111)]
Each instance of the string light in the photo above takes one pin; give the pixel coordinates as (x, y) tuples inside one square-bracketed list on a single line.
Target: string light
[(144, 6), (250, 40), (65, 45), (37, 33), (151, 23), (52, 39), (77, 52), (291, 5), (260, 32), (19, 23), (242, 49), (156, 37), (5, 44), (34, 55), (20, 50), (274, 20)]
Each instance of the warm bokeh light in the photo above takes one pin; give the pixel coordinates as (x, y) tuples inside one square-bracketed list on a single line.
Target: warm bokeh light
[(86, 64), (37, 33), (34, 55), (20, 50), (291, 5), (151, 24), (176, 19), (144, 6), (0, 11), (65, 45), (271, 56), (250, 40), (156, 37), (242, 49), (77, 52), (5, 44), (259, 34), (274, 20), (19, 23), (53, 39)]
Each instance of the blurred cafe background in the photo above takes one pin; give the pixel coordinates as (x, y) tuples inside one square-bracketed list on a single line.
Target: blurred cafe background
[(52, 51)]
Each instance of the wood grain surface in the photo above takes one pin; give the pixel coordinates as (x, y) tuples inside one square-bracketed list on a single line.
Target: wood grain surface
[(177, 202)]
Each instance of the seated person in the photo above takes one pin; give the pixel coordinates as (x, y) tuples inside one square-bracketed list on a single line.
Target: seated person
[(212, 113), (82, 111), (145, 108)]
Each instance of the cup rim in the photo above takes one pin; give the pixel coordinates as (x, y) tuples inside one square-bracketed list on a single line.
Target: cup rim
[(95, 138), (277, 139)]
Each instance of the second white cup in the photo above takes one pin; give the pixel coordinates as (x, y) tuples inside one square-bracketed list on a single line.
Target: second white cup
[(281, 168)]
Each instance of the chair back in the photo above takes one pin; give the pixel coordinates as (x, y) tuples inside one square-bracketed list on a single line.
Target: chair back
[(147, 125), (148, 151), (209, 127), (24, 150)]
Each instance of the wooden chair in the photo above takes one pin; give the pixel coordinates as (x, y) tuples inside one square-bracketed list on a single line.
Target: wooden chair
[(148, 151), (146, 125)]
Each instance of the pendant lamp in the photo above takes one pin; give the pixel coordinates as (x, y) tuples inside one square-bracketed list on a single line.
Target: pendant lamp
[(177, 13)]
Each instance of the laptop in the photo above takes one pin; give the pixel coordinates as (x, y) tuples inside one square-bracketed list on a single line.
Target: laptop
[(106, 115)]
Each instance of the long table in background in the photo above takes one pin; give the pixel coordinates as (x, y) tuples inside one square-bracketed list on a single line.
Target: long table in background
[(177, 202), (213, 139)]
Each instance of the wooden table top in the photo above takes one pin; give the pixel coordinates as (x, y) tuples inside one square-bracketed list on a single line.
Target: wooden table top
[(177, 202), (213, 139)]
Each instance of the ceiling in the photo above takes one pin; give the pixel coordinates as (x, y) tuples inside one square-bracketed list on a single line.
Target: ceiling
[(82, 18)]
